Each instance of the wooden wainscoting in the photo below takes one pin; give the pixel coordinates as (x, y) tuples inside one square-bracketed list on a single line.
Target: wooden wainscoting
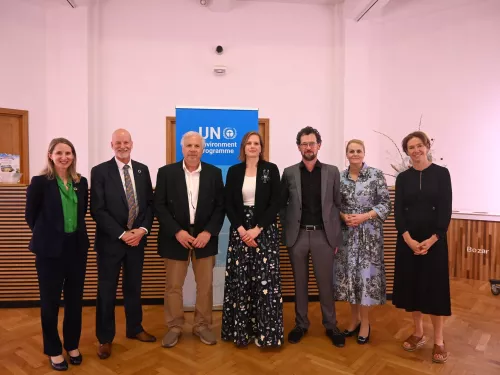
[(390, 236), (18, 279), (474, 249)]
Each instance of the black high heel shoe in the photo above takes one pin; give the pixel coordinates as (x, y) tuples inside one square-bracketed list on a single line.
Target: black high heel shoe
[(63, 366), (348, 333), (76, 361), (364, 340)]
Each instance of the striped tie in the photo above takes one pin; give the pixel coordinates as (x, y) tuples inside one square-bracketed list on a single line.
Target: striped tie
[(129, 192)]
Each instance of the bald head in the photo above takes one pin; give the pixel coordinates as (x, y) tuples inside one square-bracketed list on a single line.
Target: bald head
[(121, 143), (121, 133)]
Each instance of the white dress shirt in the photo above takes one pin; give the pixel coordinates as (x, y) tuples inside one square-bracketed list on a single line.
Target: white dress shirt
[(193, 188), (132, 180)]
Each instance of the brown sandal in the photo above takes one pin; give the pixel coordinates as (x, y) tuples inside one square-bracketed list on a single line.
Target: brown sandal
[(439, 350), (414, 343)]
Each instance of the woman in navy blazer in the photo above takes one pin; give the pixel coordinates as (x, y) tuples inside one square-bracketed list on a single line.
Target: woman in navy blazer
[(56, 204), (253, 306)]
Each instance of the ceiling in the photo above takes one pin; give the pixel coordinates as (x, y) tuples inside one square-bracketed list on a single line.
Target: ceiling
[(215, 2), (321, 2)]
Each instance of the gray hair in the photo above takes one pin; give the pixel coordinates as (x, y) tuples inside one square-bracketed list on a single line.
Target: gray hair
[(193, 134)]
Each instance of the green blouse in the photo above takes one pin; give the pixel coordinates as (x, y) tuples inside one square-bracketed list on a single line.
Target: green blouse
[(69, 204)]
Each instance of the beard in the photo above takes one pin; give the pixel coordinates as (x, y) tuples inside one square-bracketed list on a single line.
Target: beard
[(309, 155)]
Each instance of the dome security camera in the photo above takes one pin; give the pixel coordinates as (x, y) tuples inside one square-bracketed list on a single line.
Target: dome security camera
[(219, 50)]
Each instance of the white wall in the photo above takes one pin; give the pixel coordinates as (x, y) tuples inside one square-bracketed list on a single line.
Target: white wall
[(67, 78), (124, 63), (22, 70), (440, 59), (154, 55)]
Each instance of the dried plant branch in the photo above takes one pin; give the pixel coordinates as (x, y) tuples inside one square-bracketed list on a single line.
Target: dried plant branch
[(394, 143), (395, 168)]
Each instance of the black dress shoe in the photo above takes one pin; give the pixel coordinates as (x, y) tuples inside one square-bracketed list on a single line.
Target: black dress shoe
[(348, 333), (338, 339), (364, 340), (76, 361), (296, 334), (63, 366)]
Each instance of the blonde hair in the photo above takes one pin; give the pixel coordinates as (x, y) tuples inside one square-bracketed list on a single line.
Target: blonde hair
[(50, 170), (357, 141), (244, 141)]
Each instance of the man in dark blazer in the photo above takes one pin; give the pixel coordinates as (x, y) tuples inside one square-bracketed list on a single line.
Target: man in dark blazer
[(189, 204), (311, 223), (121, 203)]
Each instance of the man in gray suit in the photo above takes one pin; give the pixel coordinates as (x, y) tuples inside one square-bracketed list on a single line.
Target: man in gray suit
[(311, 223)]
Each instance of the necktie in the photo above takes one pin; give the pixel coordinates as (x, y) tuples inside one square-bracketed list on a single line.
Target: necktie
[(129, 192)]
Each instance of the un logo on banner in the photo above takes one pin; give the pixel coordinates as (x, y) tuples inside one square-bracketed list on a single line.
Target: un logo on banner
[(229, 133)]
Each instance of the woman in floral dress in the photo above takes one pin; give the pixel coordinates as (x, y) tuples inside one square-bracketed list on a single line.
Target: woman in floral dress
[(360, 272), (253, 305)]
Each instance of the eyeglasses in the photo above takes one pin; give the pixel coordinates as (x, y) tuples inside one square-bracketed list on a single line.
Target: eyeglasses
[(308, 144)]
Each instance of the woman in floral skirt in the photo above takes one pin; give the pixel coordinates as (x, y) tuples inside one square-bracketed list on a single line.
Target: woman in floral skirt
[(253, 305)]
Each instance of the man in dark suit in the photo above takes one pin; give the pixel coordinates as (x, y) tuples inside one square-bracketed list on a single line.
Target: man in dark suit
[(311, 223), (121, 203), (189, 204)]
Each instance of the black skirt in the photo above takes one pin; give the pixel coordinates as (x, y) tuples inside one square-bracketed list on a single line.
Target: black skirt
[(253, 305), (421, 282)]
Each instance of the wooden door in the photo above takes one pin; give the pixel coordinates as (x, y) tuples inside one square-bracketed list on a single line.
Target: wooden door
[(14, 137)]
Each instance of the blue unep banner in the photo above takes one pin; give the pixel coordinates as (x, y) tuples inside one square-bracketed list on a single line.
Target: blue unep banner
[(223, 130)]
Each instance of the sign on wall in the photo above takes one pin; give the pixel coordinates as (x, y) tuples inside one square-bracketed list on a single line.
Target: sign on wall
[(223, 130)]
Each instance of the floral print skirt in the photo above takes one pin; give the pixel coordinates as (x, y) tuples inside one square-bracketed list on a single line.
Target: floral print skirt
[(253, 305)]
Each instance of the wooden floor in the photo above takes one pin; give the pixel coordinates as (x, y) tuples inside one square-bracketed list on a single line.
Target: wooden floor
[(472, 335)]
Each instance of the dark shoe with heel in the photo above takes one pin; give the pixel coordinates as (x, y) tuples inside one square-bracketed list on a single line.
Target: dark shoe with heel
[(338, 339), (76, 361), (296, 334), (63, 366), (364, 340), (348, 333)]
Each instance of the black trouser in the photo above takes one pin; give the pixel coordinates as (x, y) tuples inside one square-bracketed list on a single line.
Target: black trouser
[(108, 270), (65, 273)]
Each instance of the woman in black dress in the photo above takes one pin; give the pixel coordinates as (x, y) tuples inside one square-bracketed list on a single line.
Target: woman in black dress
[(253, 306), (423, 212)]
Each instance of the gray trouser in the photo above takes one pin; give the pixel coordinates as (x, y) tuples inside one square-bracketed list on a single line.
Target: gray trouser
[(322, 257)]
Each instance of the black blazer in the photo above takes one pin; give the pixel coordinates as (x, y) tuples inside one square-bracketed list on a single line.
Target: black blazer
[(267, 194), (172, 209), (44, 215), (109, 208)]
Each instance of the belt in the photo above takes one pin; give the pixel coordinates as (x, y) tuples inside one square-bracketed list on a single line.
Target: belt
[(312, 227)]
